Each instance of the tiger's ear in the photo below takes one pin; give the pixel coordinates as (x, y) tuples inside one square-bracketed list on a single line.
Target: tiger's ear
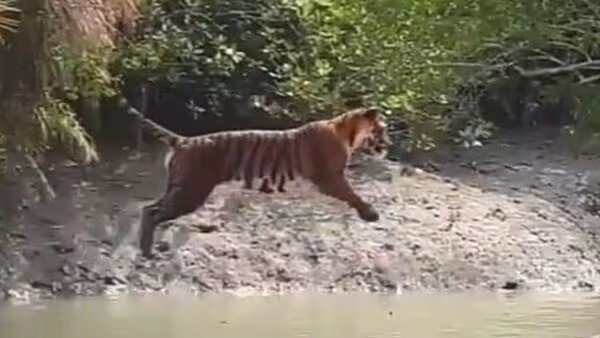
[(372, 113)]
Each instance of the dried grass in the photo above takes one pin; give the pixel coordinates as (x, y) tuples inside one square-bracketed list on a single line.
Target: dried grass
[(7, 21), (98, 21), (31, 123)]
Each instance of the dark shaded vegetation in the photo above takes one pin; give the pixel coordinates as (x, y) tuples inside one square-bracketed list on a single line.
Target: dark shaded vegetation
[(444, 68), (198, 66)]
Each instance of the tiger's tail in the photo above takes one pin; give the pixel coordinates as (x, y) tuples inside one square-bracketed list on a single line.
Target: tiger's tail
[(162, 133)]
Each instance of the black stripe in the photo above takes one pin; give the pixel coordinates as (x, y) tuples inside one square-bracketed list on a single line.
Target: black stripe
[(231, 152), (249, 140), (242, 140), (223, 146), (297, 152), (353, 134), (279, 156), (290, 155), (249, 173), (280, 187), (269, 154)]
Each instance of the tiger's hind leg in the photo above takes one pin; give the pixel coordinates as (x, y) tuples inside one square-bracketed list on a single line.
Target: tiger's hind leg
[(177, 201), (281, 185), (265, 187), (248, 183), (337, 186)]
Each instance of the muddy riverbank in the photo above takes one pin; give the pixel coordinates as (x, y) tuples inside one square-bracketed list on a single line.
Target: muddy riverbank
[(519, 213)]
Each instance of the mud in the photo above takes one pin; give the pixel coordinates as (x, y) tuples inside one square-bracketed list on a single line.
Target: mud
[(519, 213)]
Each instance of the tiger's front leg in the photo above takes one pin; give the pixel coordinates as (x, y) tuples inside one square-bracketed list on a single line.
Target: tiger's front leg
[(337, 186)]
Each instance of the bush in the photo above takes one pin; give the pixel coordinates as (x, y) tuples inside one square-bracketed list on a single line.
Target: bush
[(389, 53), (210, 58), (445, 65)]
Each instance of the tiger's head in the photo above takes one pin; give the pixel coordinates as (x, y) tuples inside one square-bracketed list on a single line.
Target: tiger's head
[(370, 135)]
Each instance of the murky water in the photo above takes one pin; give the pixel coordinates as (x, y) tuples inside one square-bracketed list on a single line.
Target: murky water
[(315, 316)]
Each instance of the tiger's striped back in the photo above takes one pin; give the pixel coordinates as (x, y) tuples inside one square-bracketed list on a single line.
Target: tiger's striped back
[(270, 155), (317, 151)]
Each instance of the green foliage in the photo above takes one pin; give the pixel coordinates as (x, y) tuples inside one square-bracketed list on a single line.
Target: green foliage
[(445, 66), (388, 53), (81, 75), (584, 136), (211, 55), (52, 123), (435, 62), (58, 127), (34, 115), (548, 54)]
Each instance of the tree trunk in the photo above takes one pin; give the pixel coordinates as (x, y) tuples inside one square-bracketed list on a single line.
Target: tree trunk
[(44, 189), (24, 62), (25, 74)]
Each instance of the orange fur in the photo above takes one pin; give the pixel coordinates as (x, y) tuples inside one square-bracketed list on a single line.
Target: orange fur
[(317, 151)]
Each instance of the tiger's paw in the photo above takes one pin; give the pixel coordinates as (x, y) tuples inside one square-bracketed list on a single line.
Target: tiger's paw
[(147, 254), (368, 214), (266, 190)]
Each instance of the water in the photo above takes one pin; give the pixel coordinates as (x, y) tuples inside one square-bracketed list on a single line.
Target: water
[(315, 316)]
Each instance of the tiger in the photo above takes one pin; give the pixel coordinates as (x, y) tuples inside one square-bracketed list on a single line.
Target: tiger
[(317, 151)]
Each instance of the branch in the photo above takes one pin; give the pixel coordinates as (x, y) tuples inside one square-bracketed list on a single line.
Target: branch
[(549, 57), (459, 64), (567, 45), (508, 53), (44, 188), (569, 28), (471, 65), (546, 56), (556, 70), (589, 79), (592, 8)]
